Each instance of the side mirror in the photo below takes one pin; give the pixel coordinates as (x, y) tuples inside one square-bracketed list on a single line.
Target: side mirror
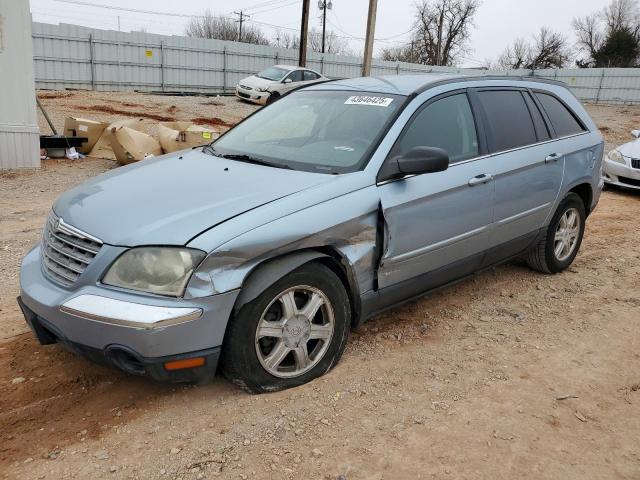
[(635, 133), (416, 161), (287, 80)]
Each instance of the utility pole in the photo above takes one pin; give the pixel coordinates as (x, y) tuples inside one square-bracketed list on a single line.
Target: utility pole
[(241, 19), (368, 44), (304, 33), (324, 5), (118, 22)]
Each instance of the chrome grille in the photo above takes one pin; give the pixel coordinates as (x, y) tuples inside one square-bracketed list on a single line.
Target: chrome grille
[(66, 251), (635, 162)]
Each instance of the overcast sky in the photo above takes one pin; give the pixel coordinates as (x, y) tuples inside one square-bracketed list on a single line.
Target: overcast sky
[(497, 23)]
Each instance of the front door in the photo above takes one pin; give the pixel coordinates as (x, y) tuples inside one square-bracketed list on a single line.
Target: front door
[(439, 222)]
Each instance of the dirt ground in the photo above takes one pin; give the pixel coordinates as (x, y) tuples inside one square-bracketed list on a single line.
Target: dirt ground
[(510, 374)]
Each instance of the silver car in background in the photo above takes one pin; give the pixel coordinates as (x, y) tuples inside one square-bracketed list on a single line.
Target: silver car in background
[(261, 251), (270, 84), (622, 164)]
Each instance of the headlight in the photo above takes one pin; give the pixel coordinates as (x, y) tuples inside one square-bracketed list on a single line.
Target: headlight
[(260, 89), (616, 156), (159, 270)]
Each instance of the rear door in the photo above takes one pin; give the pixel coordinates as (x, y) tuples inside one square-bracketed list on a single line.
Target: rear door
[(309, 77), (437, 223), (296, 78), (526, 165)]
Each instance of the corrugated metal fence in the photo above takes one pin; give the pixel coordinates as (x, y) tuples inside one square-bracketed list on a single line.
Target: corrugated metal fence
[(70, 56)]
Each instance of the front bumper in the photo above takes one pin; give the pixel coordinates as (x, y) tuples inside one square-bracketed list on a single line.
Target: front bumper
[(614, 173), (101, 339), (253, 96), (124, 358)]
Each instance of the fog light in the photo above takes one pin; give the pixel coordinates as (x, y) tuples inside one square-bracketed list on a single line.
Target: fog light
[(186, 363)]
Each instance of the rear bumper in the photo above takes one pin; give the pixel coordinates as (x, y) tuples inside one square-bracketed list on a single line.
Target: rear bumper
[(125, 358)]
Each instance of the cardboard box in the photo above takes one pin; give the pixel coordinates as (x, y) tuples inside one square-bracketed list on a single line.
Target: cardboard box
[(175, 136), (83, 127), (102, 148), (130, 145)]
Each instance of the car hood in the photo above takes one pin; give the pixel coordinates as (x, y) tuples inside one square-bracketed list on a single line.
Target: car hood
[(257, 82), (171, 199), (631, 149)]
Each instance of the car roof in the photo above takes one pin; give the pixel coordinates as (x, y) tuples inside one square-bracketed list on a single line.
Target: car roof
[(289, 67), (409, 84)]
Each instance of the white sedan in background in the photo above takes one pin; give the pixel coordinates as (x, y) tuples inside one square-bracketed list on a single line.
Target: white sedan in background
[(274, 82), (622, 164)]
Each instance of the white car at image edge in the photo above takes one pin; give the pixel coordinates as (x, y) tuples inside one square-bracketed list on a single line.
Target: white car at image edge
[(622, 164), (268, 85)]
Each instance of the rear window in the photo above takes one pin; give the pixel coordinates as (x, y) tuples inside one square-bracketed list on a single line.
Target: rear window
[(509, 119), (563, 120)]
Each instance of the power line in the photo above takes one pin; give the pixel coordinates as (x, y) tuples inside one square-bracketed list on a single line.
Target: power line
[(134, 10), (276, 8)]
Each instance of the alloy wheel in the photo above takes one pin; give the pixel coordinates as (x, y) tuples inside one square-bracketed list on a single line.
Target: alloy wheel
[(294, 331), (566, 236)]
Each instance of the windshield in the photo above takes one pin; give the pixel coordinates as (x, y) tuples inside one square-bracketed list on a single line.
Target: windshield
[(325, 131), (273, 73)]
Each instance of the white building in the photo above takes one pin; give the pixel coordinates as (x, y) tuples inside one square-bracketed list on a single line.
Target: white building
[(19, 134)]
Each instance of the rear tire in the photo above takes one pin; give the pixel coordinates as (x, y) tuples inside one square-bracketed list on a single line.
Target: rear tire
[(562, 238), (293, 332)]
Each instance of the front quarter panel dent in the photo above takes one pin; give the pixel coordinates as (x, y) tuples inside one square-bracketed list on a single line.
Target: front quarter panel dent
[(336, 224)]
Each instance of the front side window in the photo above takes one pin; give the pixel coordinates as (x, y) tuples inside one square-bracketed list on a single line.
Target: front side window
[(446, 123), (563, 121), (509, 120), (273, 73), (313, 130)]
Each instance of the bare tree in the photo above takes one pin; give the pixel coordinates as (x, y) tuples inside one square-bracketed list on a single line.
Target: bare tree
[(515, 56), (402, 53), (333, 43), (285, 40), (548, 50), (223, 28), (589, 34), (621, 15), (442, 30)]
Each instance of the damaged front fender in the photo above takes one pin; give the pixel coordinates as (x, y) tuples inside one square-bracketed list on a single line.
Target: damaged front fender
[(346, 225)]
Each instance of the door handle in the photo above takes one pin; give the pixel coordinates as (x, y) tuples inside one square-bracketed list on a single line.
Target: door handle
[(554, 157), (480, 179)]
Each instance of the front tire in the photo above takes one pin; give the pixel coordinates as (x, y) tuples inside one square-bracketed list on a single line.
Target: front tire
[(293, 332), (563, 237)]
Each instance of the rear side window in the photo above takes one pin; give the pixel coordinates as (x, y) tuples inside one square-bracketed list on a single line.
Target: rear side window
[(308, 75), (296, 76), (563, 120), (446, 123), (510, 122), (538, 121)]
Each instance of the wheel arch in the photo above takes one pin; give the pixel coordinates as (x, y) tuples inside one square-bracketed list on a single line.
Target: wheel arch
[(271, 270), (585, 192)]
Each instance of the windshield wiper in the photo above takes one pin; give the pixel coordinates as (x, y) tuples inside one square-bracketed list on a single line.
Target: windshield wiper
[(243, 158), (254, 160)]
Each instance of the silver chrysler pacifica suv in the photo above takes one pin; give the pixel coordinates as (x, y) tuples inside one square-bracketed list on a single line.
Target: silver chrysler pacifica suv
[(260, 251)]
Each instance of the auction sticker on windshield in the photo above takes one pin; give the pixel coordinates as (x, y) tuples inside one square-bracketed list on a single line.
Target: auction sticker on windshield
[(369, 100)]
